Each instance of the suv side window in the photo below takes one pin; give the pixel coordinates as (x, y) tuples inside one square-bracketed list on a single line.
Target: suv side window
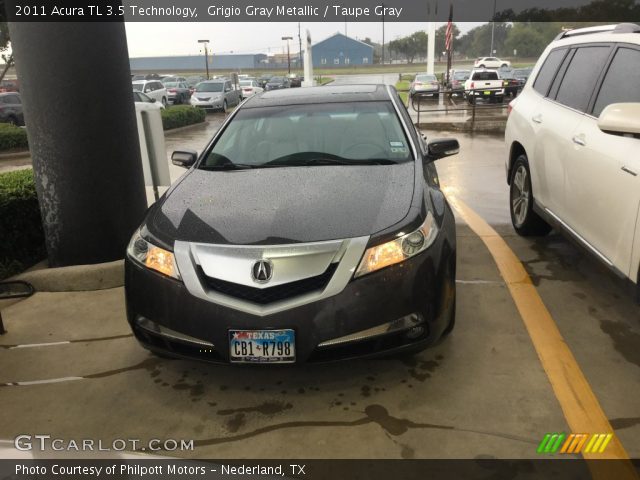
[(548, 71), (622, 81), (581, 75)]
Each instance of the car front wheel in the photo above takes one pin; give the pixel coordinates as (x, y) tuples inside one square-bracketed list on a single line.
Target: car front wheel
[(164, 102), (225, 107), (525, 220)]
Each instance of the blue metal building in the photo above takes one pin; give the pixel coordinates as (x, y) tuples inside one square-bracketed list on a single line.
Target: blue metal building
[(188, 63), (341, 51)]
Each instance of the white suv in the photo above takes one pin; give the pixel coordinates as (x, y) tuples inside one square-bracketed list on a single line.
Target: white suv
[(152, 88), (573, 138)]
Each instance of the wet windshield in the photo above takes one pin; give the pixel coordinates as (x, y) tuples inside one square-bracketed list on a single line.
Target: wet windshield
[(358, 133), (209, 87)]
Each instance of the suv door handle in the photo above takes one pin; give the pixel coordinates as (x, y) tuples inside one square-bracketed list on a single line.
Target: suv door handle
[(537, 119), (579, 140)]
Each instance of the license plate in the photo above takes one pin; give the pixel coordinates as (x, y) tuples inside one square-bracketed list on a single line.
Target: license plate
[(487, 93), (262, 346)]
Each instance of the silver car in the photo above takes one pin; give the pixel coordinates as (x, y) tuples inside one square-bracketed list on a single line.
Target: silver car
[(215, 95)]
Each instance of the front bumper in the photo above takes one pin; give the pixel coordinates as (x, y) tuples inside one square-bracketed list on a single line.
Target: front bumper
[(211, 104), (423, 286)]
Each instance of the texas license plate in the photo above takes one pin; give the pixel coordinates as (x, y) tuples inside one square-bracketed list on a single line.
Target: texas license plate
[(262, 346), (487, 93)]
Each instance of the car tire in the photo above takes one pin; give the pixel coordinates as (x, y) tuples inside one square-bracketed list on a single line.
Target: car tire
[(504, 65), (225, 107), (471, 100), (164, 102), (11, 120), (452, 318), (482, 66), (525, 220)]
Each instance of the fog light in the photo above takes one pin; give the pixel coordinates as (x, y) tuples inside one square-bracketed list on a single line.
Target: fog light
[(414, 333)]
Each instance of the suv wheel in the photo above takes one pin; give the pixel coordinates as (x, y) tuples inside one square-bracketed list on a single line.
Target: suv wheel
[(164, 102), (483, 66), (225, 107), (504, 65), (525, 221)]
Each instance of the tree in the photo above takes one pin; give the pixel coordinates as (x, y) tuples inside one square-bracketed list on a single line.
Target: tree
[(5, 42), (477, 42)]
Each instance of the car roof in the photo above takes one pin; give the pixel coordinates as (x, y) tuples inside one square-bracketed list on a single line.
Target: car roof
[(215, 80), (325, 94)]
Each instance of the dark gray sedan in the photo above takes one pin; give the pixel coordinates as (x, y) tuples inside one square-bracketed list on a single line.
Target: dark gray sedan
[(11, 108)]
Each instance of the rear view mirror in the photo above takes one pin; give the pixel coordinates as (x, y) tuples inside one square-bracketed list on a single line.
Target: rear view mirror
[(442, 147), (184, 158), (620, 118)]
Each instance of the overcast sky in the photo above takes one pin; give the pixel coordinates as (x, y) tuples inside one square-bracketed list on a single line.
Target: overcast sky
[(178, 38)]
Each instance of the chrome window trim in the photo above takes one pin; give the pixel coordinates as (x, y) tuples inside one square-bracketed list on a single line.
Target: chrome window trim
[(403, 123), (353, 249)]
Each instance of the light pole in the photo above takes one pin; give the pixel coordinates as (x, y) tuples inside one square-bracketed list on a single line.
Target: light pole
[(206, 55), (288, 53), (299, 48), (493, 27)]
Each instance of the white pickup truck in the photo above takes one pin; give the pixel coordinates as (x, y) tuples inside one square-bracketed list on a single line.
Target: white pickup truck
[(483, 83)]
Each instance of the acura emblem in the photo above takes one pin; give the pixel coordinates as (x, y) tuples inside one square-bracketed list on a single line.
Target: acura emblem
[(262, 271)]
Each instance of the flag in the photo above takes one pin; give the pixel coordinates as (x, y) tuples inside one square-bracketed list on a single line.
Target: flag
[(449, 34)]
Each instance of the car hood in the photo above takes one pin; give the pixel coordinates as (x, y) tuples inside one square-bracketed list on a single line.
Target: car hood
[(284, 205)]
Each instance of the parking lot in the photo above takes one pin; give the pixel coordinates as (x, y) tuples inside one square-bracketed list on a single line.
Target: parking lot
[(489, 390)]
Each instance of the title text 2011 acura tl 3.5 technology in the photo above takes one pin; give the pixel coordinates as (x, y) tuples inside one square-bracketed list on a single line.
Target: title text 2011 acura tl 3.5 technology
[(324, 237)]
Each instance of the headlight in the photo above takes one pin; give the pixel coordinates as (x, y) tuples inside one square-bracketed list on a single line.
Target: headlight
[(400, 249), (152, 257)]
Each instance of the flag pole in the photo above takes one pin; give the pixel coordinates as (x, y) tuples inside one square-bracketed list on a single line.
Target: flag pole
[(449, 44)]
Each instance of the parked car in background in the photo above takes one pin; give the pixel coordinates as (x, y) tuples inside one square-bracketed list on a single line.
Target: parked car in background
[(139, 97), (573, 137), (178, 92), (9, 85), (458, 77), (295, 80), (277, 83), (215, 95), (276, 284), (152, 88), (510, 83), (11, 108), (491, 62), (484, 84), (250, 88), (425, 84), (264, 79), (522, 74), (174, 79), (193, 80), (146, 76)]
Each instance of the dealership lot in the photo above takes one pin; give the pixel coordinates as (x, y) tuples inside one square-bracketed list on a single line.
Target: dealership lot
[(482, 392)]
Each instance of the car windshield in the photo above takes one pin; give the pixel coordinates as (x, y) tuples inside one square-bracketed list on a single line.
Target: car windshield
[(426, 78), (358, 133), (276, 80), (209, 87), (246, 83), (171, 84), (461, 75)]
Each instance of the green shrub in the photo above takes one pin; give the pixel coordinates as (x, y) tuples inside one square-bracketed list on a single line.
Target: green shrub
[(21, 234), (12, 137), (181, 116)]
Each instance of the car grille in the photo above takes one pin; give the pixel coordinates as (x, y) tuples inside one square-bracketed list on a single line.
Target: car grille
[(264, 296)]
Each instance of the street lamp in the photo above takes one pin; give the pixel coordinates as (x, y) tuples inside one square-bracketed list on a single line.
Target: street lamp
[(288, 53), (206, 55)]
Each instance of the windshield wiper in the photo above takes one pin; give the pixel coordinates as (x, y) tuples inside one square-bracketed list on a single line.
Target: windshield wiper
[(330, 161), (229, 166)]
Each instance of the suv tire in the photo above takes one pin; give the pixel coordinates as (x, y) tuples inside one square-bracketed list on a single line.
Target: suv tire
[(525, 220)]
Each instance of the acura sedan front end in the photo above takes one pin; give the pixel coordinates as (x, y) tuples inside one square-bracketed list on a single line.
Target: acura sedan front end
[(326, 237)]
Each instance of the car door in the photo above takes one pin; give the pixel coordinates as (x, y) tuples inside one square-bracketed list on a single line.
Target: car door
[(149, 89), (603, 173), (557, 117)]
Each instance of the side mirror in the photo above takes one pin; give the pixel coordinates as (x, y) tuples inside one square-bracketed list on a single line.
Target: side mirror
[(184, 158), (620, 118), (442, 147)]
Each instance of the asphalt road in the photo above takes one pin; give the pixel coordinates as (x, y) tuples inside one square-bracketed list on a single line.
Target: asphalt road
[(483, 392)]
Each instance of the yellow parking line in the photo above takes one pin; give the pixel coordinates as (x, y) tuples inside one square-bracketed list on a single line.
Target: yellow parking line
[(578, 402)]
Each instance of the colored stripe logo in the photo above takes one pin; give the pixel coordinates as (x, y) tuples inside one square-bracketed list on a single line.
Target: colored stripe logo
[(553, 443)]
